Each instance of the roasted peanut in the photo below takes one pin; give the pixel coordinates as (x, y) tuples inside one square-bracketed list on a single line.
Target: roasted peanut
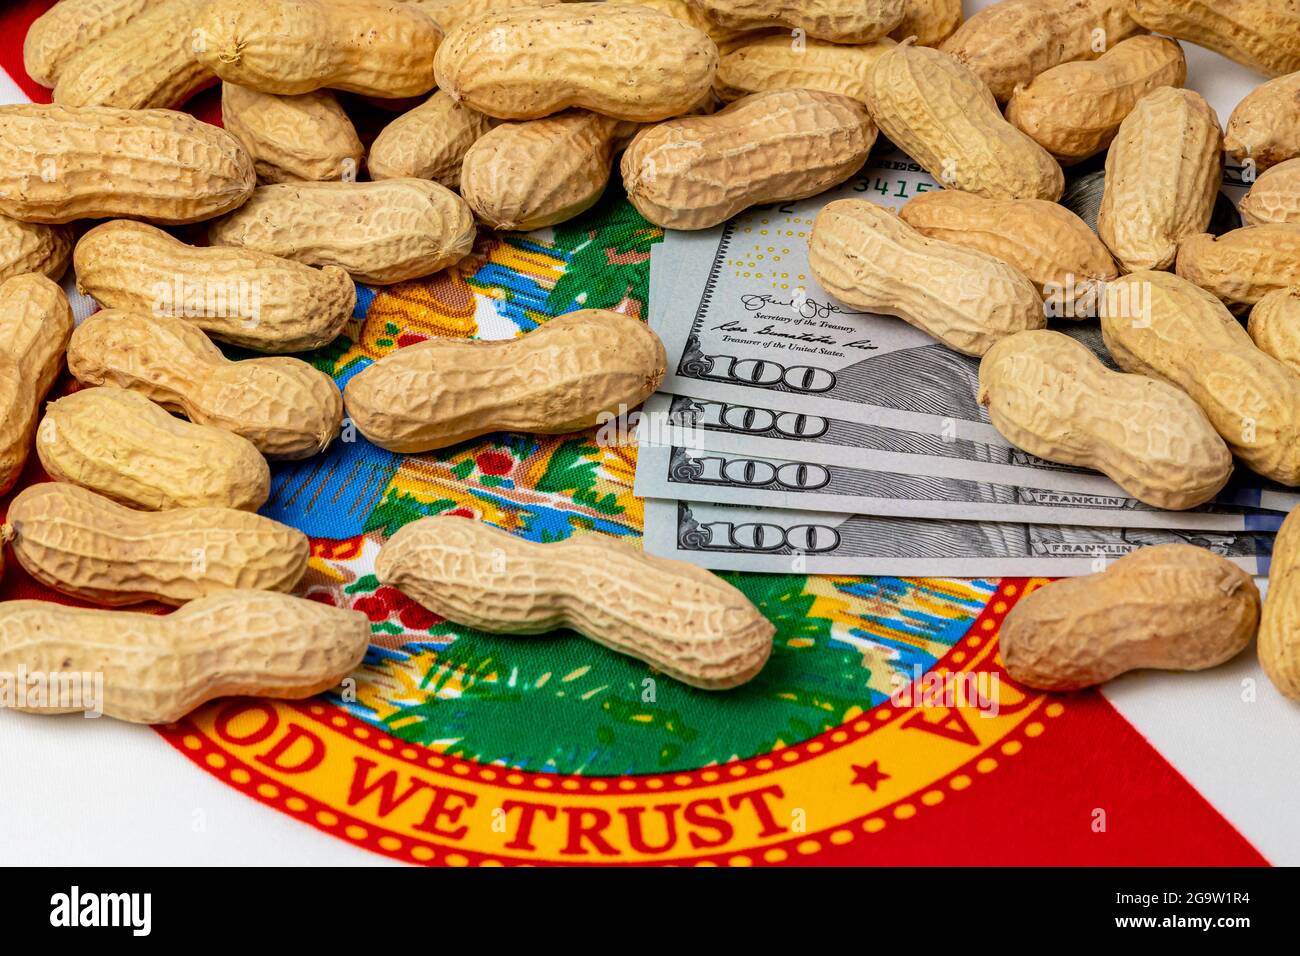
[(373, 47), (146, 64), (1244, 265), (380, 232), (1261, 34), (866, 256), (429, 142), (725, 39), (33, 247), (1274, 326), (930, 21), (1044, 240), (1274, 197), (844, 21), (156, 669), (1009, 43), (449, 14), (123, 446), (1156, 324), (943, 116), (562, 377), (1049, 395), (96, 162), (541, 172), (286, 408), (1264, 129), (35, 323), (1279, 625), (678, 618), (623, 60), (777, 63), (85, 545), (254, 299), (292, 138), (1172, 607), (1074, 110), (1162, 178), (18, 408), (698, 171), (69, 27)]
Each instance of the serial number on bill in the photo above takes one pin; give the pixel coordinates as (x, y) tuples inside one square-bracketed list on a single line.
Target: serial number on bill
[(1192, 898)]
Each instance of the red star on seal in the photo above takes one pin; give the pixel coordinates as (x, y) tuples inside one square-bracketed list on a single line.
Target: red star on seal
[(870, 775)]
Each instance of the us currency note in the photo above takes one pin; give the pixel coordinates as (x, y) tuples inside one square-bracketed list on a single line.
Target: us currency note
[(747, 327), (768, 432), (744, 538), (742, 317), (665, 471)]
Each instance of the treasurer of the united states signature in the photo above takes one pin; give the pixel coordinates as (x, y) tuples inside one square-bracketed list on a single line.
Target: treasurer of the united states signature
[(807, 337)]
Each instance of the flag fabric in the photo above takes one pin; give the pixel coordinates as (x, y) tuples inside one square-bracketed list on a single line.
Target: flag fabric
[(883, 731)]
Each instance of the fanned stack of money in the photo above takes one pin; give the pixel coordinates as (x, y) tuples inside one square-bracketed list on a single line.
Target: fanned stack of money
[(794, 434)]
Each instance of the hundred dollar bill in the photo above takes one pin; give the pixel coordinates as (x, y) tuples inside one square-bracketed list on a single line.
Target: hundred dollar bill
[(769, 432), (744, 320), (745, 479), (741, 538), (740, 337)]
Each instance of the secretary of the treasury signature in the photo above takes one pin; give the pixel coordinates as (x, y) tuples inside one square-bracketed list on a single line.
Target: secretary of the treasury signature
[(802, 305)]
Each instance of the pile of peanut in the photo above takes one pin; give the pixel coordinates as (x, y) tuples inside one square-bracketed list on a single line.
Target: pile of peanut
[(163, 453)]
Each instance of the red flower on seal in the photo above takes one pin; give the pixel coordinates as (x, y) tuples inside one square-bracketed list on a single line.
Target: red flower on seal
[(381, 604), (417, 618), (385, 602), (372, 606), (494, 463)]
